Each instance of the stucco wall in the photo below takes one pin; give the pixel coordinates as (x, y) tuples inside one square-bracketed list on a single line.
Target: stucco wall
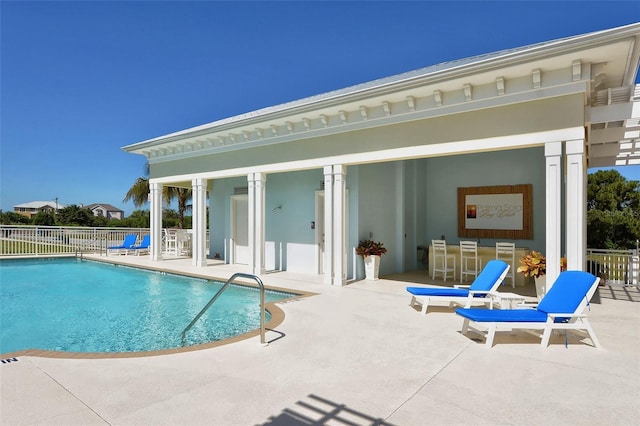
[(379, 210), (402, 204), (220, 192), (444, 175), (290, 228), (287, 229)]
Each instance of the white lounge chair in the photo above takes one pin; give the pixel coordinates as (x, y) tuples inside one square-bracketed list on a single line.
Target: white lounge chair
[(487, 281), (128, 242), (142, 248), (561, 308)]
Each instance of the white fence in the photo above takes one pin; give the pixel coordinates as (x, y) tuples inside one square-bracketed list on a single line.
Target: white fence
[(614, 266), (28, 240), (24, 240)]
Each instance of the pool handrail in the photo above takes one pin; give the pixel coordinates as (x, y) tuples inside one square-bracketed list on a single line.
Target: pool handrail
[(215, 297)]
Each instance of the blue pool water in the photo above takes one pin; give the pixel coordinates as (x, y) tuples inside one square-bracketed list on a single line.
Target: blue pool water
[(85, 306)]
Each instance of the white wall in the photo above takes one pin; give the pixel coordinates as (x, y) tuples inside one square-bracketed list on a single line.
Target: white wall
[(445, 174), (289, 239), (220, 192), (289, 227), (402, 204), (379, 211)]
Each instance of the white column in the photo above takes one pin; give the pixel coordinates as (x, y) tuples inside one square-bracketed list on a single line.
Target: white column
[(260, 188), (256, 185), (199, 231), (251, 214), (576, 205), (553, 171), (339, 225), (328, 224), (155, 211)]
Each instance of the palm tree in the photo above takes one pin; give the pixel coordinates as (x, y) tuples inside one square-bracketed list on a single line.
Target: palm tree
[(139, 191), (139, 194), (182, 195)]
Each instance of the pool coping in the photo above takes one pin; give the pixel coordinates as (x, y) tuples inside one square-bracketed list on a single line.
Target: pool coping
[(277, 317)]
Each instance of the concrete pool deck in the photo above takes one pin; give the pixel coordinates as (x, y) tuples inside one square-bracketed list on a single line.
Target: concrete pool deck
[(349, 355)]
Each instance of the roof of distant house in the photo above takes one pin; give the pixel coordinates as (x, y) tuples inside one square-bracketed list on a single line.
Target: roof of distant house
[(40, 204), (107, 207)]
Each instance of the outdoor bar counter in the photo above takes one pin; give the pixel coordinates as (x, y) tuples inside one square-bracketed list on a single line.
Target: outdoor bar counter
[(485, 254)]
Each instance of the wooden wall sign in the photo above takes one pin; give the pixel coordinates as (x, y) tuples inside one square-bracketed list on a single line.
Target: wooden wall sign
[(501, 212)]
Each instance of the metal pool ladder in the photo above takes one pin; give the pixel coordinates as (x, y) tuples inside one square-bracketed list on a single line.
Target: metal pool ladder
[(215, 297)]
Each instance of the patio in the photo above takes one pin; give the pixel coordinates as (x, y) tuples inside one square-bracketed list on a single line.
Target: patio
[(350, 355)]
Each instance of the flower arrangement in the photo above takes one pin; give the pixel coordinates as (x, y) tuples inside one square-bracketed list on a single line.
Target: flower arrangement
[(370, 248), (534, 264)]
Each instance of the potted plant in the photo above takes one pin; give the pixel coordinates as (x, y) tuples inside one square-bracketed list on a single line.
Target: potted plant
[(534, 264), (370, 251)]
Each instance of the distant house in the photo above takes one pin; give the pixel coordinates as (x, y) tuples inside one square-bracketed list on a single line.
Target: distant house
[(34, 207), (106, 210)]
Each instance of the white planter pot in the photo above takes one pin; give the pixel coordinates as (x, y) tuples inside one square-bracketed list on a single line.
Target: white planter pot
[(541, 286), (371, 267)]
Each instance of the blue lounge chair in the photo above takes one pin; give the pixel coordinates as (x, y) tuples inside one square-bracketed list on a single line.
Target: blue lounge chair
[(143, 247), (487, 281), (129, 241), (561, 308)]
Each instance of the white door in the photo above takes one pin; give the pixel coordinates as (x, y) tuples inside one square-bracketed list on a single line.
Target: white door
[(319, 224), (240, 229)]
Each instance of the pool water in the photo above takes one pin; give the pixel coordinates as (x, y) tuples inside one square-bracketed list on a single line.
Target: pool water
[(86, 306)]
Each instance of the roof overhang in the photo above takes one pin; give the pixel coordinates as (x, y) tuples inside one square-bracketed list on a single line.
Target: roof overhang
[(600, 62)]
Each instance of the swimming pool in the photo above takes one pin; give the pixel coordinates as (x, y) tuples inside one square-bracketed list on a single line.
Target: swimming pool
[(86, 306)]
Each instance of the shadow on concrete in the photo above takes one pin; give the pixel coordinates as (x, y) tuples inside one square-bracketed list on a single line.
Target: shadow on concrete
[(437, 308), (317, 411), (617, 292), (280, 335)]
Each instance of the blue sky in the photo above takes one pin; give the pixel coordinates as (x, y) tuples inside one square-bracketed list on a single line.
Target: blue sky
[(80, 80)]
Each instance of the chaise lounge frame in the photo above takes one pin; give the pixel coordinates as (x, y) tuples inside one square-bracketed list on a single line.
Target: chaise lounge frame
[(554, 312), (486, 282)]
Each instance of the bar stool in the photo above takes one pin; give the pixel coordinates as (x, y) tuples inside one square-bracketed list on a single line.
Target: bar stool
[(507, 252), (170, 242), (469, 253), (440, 255), (183, 242)]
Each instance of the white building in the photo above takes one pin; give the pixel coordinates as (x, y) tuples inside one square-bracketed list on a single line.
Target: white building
[(106, 210), (32, 208), (295, 186)]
